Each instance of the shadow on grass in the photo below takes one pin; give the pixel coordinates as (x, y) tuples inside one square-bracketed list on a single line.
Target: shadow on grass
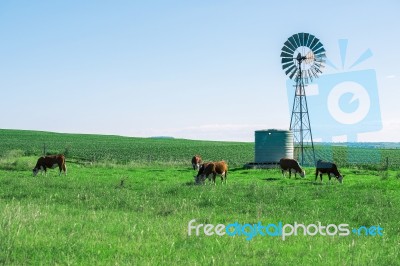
[(236, 169), (269, 179), (156, 170), (186, 170)]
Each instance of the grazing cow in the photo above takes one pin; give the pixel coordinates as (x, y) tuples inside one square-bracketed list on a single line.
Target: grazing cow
[(51, 161), (200, 177), (214, 168), (291, 165), (327, 168), (196, 161)]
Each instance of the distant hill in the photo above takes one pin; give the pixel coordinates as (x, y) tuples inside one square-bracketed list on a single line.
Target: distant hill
[(161, 137), (379, 145)]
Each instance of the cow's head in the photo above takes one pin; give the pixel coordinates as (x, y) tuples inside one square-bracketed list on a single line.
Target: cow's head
[(35, 171), (199, 179), (196, 166), (338, 177), (303, 173)]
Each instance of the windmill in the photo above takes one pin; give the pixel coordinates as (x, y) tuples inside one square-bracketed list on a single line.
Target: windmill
[(303, 57)]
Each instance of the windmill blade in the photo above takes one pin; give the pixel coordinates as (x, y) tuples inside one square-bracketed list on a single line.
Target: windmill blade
[(286, 65), (310, 75), (318, 70), (320, 56), (286, 60), (286, 55), (289, 46), (310, 40), (287, 50), (321, 60), (297, 39), (290, 69), (313, 73), (294, 72), (306, 36), (301, 37), (293, 42), (314, 42), (317, 47), (319, 64), (319, 50)]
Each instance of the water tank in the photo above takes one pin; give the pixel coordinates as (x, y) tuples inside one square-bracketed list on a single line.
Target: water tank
[(272, 144)]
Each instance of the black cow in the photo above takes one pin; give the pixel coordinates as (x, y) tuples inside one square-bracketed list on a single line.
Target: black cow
[(327, 168), (291, 165)]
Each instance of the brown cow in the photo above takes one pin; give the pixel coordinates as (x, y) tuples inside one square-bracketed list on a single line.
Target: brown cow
[(196, 161), (327, 168), (214, 168), (289, 165), (51, 161)]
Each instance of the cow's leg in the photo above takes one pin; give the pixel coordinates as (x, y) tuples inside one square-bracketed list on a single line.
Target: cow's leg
[(42, 170), (203, 179), (320, 176), (226, 176), (64, 168), (316, 175), (290, 173), (214, 176), (223, 177), (207, 178)]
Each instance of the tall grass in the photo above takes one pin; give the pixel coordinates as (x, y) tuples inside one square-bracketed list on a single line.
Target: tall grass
[(90, 217)]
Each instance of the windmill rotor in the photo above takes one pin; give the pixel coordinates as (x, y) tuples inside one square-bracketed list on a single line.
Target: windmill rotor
[(303, 51)]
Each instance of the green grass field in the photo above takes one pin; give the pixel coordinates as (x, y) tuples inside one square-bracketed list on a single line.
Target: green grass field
[(89, 218)]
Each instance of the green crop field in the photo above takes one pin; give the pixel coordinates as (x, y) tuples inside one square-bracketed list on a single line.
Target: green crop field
[(178, 152), (129, 201)]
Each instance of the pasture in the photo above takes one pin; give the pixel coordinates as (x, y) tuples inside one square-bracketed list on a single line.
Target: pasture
[(136, 209)]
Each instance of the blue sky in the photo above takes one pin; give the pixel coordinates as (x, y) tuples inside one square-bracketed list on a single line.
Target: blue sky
[(187, 69)]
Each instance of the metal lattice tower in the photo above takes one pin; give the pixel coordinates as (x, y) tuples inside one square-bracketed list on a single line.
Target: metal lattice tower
[(303, 56), (300, 125)]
